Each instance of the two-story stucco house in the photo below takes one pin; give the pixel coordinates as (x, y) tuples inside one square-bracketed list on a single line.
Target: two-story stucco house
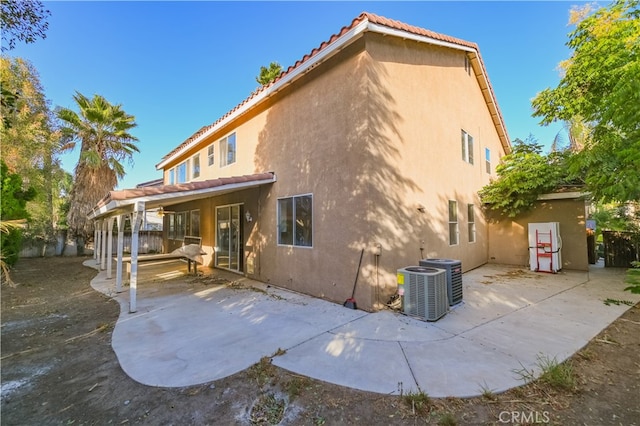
[(378, 139)]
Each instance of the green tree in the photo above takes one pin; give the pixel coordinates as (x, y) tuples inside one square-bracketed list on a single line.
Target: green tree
[(13, 207), (103, 132), (30, 143), (22, 20), (600, 87), (267, 75), (523, 175)]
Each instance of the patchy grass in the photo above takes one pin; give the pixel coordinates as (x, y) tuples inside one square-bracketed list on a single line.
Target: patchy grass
[(447, 419), (559, 376), (487, 393), (263, 371), (296, 385), (268, 410), (418, 402)]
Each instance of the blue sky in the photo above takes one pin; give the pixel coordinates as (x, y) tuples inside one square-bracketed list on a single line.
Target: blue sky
[(177, 66)]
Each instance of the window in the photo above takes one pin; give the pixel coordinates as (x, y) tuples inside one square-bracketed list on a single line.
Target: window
[(487, 159), (228, 150), (453, 223), (195, 166), (181, 225), (172, 225), (194, 223), (295, 221), (181, 172), (467, 147), (210, 157), (172, 176), (471, 222)]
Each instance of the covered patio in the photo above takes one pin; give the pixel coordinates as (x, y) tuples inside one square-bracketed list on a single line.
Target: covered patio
[(117, 206)]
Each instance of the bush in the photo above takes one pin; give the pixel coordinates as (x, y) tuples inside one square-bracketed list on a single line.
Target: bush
[(11, 243)]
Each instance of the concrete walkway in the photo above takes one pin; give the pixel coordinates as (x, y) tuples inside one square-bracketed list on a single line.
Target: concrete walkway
[(192, 331)]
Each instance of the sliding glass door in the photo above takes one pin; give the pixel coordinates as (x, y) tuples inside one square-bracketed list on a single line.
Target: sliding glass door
[(228, 237)]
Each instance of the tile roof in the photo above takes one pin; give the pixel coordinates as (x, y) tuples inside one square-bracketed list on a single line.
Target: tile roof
[(373, 19), (150, 191)]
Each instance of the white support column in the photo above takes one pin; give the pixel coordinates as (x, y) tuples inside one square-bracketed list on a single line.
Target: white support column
[(119, 249), (97, 249), (136, 223), (103, 261), (110, 246), (95, 239)]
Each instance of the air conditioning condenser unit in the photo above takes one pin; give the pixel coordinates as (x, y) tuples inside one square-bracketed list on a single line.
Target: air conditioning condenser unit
[(454, 276), (425, 291)]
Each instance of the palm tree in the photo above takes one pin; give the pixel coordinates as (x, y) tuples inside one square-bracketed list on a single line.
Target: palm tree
[(267, 75), (103, 131)]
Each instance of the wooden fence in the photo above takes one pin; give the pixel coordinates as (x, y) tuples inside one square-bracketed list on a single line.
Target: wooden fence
[(149, 242), (620, 248)]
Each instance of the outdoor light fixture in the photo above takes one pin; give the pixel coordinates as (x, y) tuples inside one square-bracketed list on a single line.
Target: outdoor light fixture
[(248, 216)]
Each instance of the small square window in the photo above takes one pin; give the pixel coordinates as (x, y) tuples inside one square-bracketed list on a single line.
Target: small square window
[(295, 221)]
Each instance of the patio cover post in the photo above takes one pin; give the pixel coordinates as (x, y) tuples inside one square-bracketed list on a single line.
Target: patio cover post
[(97, 244), (95, 240), (103, 261), (136, 223), (109, 253), (119, 250)]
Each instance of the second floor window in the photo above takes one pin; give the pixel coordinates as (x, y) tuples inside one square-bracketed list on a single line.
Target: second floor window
[(182, 172), (228, 150), (195, 166), (210, 152), (467, 147), (487, 159)]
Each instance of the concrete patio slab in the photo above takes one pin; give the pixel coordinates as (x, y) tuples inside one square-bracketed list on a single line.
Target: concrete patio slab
[(189, 330), (460, 367)]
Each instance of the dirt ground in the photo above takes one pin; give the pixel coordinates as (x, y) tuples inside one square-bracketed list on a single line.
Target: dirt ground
[(58, 368)]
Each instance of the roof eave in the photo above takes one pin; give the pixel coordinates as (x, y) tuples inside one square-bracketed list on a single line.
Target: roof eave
[(115, 207), (338, 44)]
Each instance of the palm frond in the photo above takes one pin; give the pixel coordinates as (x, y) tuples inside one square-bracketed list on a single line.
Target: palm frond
[(104, 130)]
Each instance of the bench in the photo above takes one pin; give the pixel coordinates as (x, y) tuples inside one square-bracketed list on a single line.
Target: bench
[(178, 254)]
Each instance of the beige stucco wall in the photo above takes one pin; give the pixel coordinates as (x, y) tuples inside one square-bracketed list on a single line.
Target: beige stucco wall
[(428, 98), (508, 242), (372, 134)]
